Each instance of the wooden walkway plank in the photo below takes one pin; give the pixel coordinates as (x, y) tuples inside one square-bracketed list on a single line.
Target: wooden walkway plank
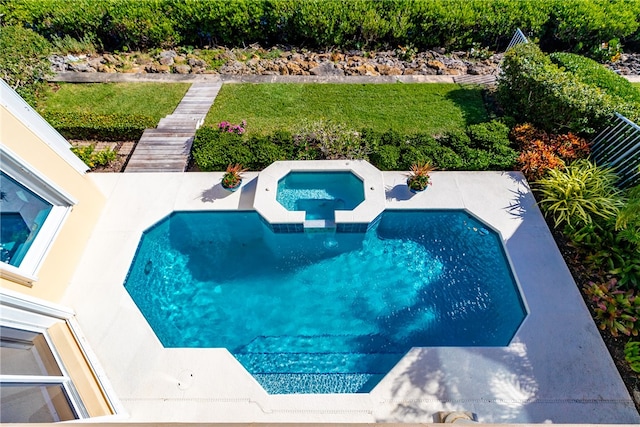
[(167, 147)]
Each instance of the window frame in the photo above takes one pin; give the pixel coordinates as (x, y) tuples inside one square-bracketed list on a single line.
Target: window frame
[(27, 176), (63, 380)]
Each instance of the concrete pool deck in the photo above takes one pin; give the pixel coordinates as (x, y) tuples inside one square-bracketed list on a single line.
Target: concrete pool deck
[(557, 369)]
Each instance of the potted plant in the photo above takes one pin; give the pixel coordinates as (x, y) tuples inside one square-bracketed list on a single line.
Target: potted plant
[(419, 177), (232, 178)]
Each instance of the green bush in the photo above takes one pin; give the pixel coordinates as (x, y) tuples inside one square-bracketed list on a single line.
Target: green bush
[(583, 25), (23, 60), (214, 150), (590, 72), (140, 25), (387, 157), (267, 150), (93, 158), (89, 126), (79, 19), (578, 25), (532, 88)]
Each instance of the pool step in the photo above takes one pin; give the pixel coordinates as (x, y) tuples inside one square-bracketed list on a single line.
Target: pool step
[(325, 363), (317, 383), (311, 343)]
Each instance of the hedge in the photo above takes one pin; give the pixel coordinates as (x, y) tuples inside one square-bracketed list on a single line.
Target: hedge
[(590, 72), (24, 62), (533, 89), (580, 25), (484, 146), (89, 126)]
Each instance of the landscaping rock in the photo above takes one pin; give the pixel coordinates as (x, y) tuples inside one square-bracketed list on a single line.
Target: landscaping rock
[(326, 69), (166, 60), (388, 70), (182, 69), (255, 60)]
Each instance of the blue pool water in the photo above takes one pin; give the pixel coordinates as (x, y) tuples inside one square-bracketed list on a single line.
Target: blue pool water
[(324, 312), (320, 193)]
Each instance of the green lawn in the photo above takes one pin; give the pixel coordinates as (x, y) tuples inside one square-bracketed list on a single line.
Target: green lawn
[(407, 108), (150, 99)]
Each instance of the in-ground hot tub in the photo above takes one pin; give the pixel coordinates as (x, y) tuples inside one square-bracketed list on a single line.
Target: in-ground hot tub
[(293, 196), (320, 194)]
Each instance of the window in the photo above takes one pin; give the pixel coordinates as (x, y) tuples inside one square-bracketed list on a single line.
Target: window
[(22, 214), (33, 384), (32, 211)]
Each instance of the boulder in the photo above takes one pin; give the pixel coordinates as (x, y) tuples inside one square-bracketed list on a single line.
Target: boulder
[(367, 70), (182, 69), (436, 65), (386, 70), (326, 69), (166, 60), (196, 62), (294, 68)]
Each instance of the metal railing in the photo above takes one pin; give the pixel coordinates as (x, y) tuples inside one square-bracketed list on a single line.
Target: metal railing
[(618, 147), (517, 38)]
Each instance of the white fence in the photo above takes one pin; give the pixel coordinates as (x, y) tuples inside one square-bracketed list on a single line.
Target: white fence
[(618, 146)]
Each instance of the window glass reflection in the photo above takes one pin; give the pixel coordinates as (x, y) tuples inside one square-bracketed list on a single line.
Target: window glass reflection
[(22, 214), (34, 404)]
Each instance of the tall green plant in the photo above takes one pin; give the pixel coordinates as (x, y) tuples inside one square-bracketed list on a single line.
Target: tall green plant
[(628, 222), (580, 194)]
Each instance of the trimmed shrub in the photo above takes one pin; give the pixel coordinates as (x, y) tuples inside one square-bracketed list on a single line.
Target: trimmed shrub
[(387, 157), (532, 88), (214, 150), (592, 73), (493, 138), (89, 126), (267, 150)]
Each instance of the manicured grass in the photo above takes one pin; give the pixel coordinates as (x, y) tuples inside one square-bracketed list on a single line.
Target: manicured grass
[(406, 108), (149, 99)]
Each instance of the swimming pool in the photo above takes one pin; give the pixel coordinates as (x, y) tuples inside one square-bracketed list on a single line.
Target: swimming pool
[(324, 312)]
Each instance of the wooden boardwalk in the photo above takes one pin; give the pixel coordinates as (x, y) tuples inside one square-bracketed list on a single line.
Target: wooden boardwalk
[(167, 147)]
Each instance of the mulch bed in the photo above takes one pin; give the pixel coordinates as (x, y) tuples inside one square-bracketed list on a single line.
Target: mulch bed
[(123, 148)]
